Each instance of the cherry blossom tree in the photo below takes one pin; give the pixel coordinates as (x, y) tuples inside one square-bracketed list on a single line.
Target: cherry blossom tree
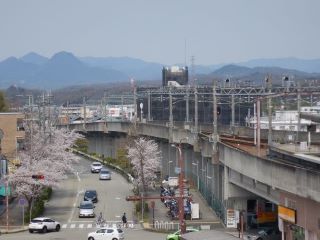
[(45, 153), (145, 158)]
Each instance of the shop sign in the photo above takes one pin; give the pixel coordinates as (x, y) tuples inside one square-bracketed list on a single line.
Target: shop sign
[(287, 214)]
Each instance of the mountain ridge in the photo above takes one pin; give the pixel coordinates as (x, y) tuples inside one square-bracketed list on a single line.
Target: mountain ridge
[(65, 69)]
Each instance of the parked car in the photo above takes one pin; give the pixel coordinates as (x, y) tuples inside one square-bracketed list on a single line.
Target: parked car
[(43, 224), (105, 174), (176, 235), (86, 209), (91, 195), (106, 234), (96, 167)]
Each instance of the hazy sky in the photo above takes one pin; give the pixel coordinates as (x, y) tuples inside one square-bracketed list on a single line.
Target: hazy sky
[(215, 31)]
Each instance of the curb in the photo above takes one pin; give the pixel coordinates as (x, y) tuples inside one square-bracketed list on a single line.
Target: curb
[(14, 231)]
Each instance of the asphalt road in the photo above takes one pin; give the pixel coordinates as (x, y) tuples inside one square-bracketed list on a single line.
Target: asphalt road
[(111, 202)]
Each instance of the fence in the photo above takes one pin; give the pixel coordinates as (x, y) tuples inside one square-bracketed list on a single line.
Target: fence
[(166, 226)]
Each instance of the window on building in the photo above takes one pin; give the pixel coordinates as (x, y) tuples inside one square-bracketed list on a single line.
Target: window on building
[(20, 126), (20, 144)]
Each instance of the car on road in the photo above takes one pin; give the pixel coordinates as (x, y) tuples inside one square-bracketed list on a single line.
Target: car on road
[(86, 209), (106, 234), (96, 167), (91, 195), (43, 224), (105, 174), (176, 235)]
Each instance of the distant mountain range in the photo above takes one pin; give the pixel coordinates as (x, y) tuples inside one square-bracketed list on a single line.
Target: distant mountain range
[(64, 69)]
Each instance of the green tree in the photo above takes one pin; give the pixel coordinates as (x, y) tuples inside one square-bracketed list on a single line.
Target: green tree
[(3, 103)]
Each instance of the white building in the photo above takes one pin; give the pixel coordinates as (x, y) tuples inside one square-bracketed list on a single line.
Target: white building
[(287, 120)]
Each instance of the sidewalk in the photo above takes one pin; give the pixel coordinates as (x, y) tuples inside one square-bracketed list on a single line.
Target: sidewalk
[(208, 218), (14, 218)]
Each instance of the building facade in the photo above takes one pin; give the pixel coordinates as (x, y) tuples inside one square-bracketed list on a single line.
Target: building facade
[(11, 124), (175, 76)]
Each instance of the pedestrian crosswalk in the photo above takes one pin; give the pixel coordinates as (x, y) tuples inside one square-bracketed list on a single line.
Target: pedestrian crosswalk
[(91, 225)]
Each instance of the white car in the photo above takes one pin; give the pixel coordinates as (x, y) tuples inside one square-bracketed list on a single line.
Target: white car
[(106, 234), (96, 167), (43, 224), (105, 174)]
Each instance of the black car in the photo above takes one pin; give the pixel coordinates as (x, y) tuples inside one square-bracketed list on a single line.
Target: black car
[(91, 195)]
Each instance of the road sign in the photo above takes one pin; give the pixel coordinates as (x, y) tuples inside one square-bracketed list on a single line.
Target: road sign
[(177, 170), (22, 202)]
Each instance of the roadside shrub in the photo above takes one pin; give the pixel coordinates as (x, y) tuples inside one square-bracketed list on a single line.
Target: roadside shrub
[(82, 145)]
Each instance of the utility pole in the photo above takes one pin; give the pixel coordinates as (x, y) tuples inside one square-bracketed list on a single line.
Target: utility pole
[(299, 112), (68, 118), (84, 113), (195, 109), (187, 105), (269, 113), (215, 119), (149, 106), (258, 125), (181, 189), (135, 107), (232, 113)]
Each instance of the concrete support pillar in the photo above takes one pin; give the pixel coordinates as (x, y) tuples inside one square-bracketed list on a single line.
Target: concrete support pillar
[(149, 106), (196, 110)]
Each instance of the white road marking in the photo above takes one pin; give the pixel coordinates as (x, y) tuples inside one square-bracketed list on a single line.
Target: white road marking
[(64, 226), (82, 221), (117, 216), (72, 225), (74, 205), (89, 225), (81, 225), (118, 198)]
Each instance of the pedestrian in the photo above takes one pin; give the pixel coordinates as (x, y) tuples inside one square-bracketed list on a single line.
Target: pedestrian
[(124, 220)]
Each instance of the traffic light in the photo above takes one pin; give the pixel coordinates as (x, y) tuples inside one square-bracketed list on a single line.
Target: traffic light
[(38, 176)]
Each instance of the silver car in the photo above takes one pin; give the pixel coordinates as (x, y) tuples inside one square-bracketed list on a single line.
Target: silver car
[(105, 174), (86, 209)]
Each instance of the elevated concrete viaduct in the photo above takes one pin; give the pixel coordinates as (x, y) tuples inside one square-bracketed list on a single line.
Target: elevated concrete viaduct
[(240, 173)]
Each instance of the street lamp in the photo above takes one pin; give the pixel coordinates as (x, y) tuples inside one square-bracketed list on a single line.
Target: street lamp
[(181, 190)]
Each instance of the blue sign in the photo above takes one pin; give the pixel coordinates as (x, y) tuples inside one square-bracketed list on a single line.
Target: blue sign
[(177, 170), (22, 202)]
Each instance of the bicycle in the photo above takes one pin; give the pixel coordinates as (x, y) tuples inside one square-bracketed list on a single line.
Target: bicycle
[(100, 221)]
